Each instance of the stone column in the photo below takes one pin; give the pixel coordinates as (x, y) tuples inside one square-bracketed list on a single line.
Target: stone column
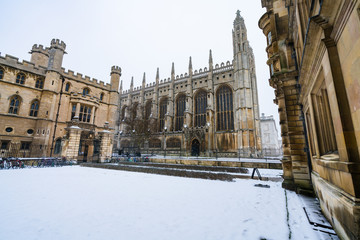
[(93, 115), (77, 110), (106, 144), (72, 150)]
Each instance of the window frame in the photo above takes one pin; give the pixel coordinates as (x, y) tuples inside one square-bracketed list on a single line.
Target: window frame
[(20, 80)]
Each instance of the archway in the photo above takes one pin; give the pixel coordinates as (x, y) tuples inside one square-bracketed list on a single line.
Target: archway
[(195, 147)]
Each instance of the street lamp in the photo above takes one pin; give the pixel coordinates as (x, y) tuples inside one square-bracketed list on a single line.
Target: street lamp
[(207, 130), (184, 129), (165, 128)]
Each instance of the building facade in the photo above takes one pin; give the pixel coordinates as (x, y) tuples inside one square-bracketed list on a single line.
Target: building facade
[(271, 145), (314, 61), (208, 112), (46, 110)]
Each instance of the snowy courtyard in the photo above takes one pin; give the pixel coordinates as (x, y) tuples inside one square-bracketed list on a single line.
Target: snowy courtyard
[(87, 203)]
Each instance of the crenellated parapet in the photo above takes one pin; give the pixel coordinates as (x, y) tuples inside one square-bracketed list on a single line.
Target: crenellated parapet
[(116, 70), (40, 49), (56, 43), (27, 66), (85, 79)]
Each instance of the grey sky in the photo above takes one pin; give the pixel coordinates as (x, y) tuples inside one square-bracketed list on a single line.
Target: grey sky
[(137, 35)]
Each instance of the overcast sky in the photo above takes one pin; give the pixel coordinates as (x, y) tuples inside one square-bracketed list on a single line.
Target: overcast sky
[(137, 35)]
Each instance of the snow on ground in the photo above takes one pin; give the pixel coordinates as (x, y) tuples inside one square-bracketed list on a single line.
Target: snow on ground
[(88, 203)]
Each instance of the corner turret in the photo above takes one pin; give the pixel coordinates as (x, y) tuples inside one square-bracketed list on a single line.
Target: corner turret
[(132, 84), (39, 55), (115, 77), (190, 67), (172, 72), (144, 82), (56, 54), (210, 61)]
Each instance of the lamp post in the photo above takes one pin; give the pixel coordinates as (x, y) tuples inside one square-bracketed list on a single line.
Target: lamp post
[(120, 134), (185, 128), (208, 132), (165, 128)]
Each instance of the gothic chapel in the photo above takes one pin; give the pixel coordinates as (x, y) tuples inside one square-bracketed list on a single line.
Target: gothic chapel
[(209, 111)]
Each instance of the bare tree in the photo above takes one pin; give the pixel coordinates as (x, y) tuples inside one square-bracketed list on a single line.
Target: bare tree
[(139, 127)]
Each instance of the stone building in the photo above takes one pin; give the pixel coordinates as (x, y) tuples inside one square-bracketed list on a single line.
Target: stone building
[(209, 111), (46, 110), (314, 61), (271, 145)]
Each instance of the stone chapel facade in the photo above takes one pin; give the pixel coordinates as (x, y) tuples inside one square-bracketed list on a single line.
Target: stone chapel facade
[(39, 99), (206, 112)]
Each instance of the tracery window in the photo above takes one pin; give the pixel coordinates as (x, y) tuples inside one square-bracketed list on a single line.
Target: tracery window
[(1, 74), (20, 78), (148, 107), (34, 108), (180, 109), (14, 105), (224, 109), (163, 110), (123, 112), (39, 83), (85, 113), (200, 108), (86, 91), (134, 111)]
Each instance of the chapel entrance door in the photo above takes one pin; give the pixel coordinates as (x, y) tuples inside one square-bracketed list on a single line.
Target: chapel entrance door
[(195, 148)]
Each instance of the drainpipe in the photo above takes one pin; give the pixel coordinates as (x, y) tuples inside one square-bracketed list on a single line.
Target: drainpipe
[(57, 115)]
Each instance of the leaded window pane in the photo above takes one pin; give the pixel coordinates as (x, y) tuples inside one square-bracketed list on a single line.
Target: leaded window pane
[(180, 109), (224, 108)]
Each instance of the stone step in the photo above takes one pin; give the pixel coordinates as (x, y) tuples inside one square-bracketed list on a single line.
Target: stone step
[(176, 171), (189, 167)]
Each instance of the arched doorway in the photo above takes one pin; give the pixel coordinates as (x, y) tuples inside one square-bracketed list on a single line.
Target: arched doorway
[(195, 148)]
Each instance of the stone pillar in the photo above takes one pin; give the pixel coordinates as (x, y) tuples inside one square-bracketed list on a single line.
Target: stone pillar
[(106, 144), (72, 150), (93, 115)]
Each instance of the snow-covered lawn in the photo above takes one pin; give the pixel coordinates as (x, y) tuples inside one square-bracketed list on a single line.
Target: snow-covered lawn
[(86, 203)]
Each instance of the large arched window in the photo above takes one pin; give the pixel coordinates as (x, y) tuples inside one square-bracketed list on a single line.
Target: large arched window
[(148, 109), (14, 107), (163, 110), (20, 78), (180, 109), (200, 108), (224, 109), (34, 108), (123, 110), (1, 74), (134, 111)]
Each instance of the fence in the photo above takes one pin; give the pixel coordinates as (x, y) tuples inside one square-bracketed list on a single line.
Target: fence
[(23, 150)]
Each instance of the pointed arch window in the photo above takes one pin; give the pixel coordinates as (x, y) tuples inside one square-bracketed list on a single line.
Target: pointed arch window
[(57, 148), (86, 91), (67, 87), (1, 74), (200, 108), (224, 109), (34, 109), (123, 110), (101, 96), (39, 83), (14, 105), (163, 110), (148, 107), (180, 110), (20, 78), (134, 111)]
